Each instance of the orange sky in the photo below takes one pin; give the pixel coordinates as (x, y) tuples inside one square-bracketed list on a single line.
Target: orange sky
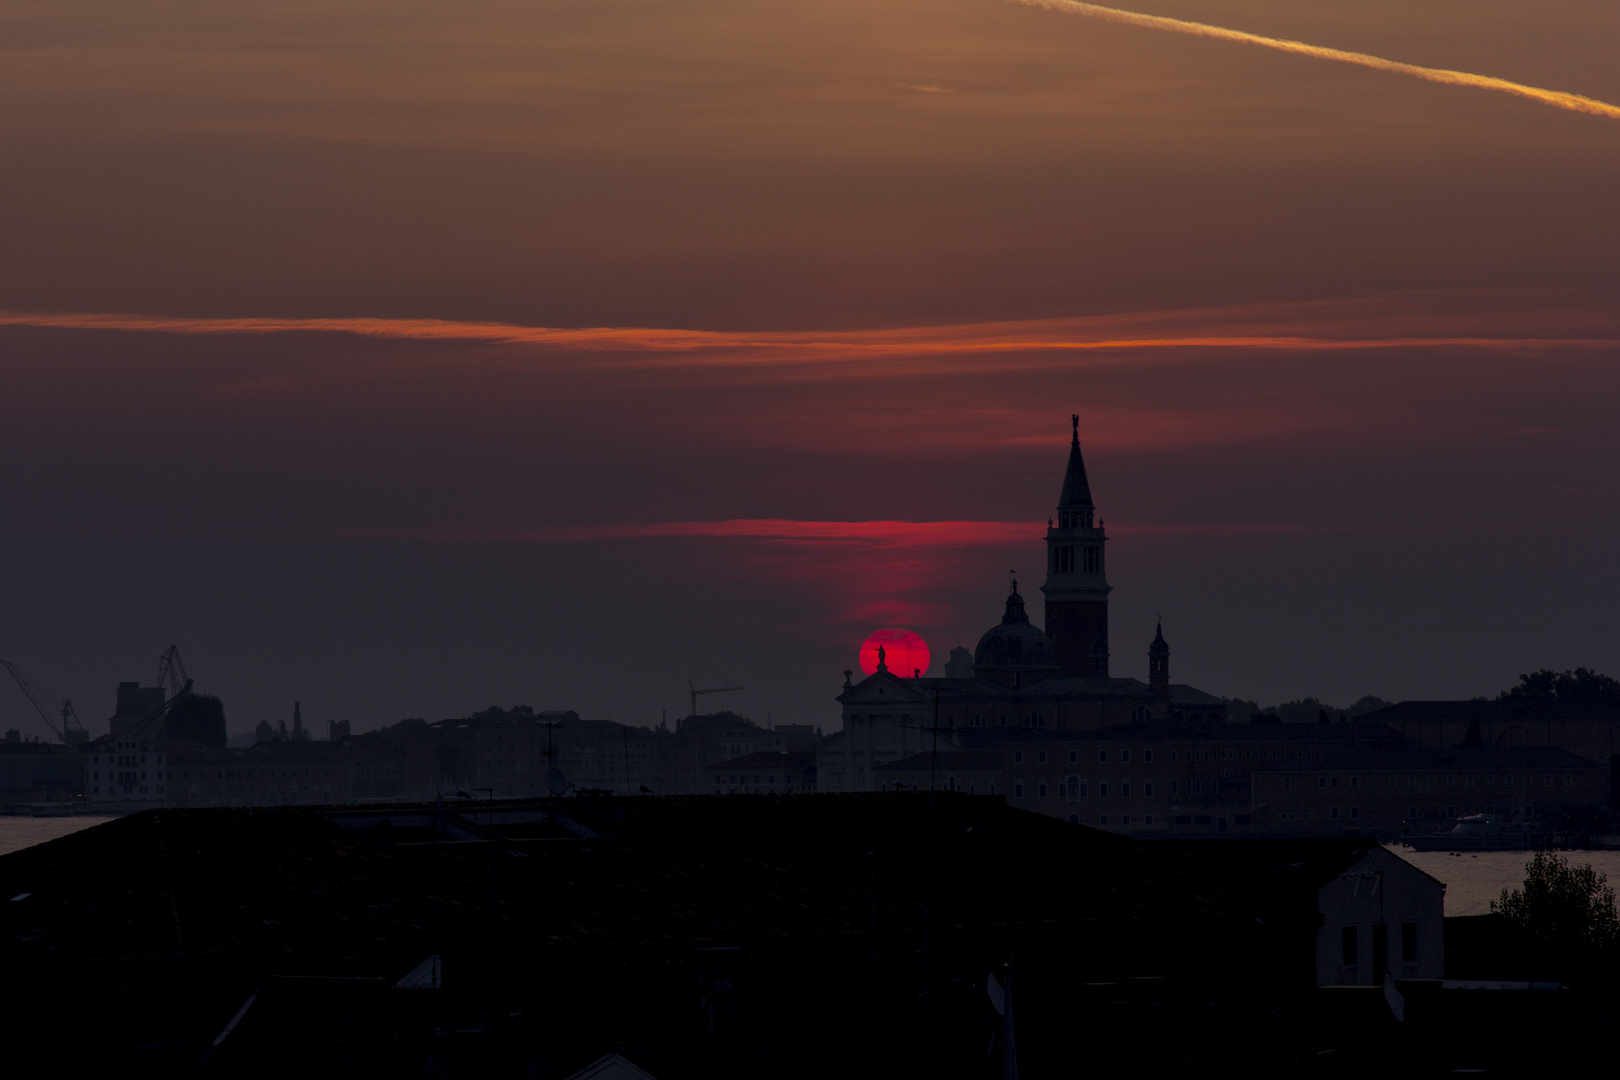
[(425, 303)]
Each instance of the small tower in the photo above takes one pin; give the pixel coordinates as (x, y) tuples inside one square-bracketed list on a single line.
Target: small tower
[(1076, 587), (1159, 663)]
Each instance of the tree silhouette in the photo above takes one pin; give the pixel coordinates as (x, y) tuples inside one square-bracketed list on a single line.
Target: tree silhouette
[(1569, 907)]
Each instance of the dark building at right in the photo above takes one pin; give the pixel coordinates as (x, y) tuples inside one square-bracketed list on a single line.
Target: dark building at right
[(1037, 716)]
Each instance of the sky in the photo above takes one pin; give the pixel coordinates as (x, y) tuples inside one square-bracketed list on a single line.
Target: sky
[(407, 358)]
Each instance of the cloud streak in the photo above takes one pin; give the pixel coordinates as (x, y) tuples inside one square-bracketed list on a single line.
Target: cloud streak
[(888, 533), (718, 348), (1556, 98)]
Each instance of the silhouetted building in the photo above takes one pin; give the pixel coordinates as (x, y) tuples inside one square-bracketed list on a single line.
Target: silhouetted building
[(1589, 729), (136, 705), (34, 772), (1022, 677), (1076, 586), (768, 772)]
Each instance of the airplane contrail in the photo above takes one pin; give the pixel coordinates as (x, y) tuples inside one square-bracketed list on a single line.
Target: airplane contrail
[(1556, 98)]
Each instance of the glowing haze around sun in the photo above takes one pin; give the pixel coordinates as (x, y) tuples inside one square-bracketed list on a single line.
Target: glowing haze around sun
[(905, 652)]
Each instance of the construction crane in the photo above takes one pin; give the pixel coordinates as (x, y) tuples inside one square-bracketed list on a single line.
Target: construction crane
[(73, 731), (696, 693), (172, 675), (44, 714)]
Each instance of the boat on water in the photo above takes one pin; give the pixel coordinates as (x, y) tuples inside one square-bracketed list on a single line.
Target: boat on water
[(1483, 832)]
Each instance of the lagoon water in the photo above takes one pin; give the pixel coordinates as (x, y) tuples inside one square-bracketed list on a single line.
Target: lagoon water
[(17, 833), (1475, 878)]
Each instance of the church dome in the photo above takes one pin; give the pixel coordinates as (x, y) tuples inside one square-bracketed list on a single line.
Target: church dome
[(1015, 652)]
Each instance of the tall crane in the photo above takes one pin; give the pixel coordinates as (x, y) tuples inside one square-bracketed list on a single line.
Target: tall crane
[(44, 714), (172, 675), (696, 693)]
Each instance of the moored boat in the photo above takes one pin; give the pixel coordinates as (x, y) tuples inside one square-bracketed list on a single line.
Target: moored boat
[(1482, 832)]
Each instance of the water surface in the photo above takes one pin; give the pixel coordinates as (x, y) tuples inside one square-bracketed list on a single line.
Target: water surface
[(17, 833), (1475, 878)]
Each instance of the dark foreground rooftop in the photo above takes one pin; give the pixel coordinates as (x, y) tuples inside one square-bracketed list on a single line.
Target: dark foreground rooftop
[(804, 936)]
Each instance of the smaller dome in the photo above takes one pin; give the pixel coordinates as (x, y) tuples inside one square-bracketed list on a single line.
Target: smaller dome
[(1159, 647), (1014, 652)]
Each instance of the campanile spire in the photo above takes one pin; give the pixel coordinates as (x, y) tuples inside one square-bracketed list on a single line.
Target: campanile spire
[(1076, 587)]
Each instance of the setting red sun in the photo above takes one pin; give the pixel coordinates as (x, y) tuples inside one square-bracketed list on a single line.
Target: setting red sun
[(904, 651)]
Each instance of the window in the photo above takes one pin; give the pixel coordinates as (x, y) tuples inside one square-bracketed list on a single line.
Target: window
[(1349, 946), (1084, 788), (1124, 789), (1124, 755), (1147, 820), (1569, 781), (1147, 788), (1074, 819), (1018, 757), (1147, 756), (1451, 811), (1451, 780), (1333, 812), (1409, 943), (1321, 782), (1103, 820), (1102, 755), (1041, 790), (1175, 787), (1287, 782), (1411, 812), (1470, 781), (1355, 781), (1074, 756), (1126, 820), (1093, 559), (1018, 791), (1040, 756), (1102, 790), (1355, 813)]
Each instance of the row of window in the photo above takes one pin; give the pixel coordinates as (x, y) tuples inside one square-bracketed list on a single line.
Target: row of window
[(1064, 559), (1125, 819), (1350, 943), (1305, 815), (1074, 756), (1075, 788), (1529, 780), (123, 759), (1212, 754)]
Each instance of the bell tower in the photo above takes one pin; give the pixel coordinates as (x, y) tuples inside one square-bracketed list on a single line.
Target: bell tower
[(1159, 663), (1076, 588)]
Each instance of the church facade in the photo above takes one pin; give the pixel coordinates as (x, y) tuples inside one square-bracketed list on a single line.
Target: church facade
[(1021, 679)]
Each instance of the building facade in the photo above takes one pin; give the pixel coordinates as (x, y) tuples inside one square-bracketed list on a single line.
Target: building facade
[(1022, 678)]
